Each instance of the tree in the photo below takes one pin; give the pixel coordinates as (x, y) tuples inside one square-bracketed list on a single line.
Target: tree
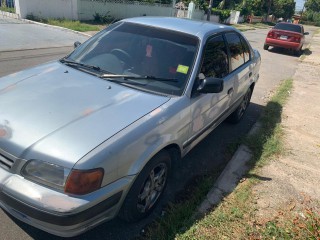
[(255, 7), (312, 5), (3, 3), (283, 8)]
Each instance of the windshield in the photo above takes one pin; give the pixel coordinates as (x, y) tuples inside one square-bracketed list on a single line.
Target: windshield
[(288, 27), (137, 50)]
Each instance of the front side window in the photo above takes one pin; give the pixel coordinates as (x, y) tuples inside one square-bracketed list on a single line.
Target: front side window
[(237, 51), (162, 58), (215, 60)]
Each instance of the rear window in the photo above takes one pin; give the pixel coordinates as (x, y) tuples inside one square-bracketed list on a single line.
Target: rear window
[(288, 27)]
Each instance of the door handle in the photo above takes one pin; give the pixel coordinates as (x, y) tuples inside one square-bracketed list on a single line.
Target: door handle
[(230, 91)]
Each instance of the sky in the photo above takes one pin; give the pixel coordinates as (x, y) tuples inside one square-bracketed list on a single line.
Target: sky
[(299, 4)]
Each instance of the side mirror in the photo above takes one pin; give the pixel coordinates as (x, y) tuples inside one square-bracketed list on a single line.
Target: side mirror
[(210, 85), (76, 44), (306, 33)]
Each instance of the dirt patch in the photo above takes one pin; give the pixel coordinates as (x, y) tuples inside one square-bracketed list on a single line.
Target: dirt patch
[(295, 176)]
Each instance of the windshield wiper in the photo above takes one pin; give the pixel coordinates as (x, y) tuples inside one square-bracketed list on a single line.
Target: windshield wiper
[(129, 77), (74, 63)]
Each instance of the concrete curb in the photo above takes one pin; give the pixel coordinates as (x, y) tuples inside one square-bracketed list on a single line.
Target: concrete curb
[(16, 16), (228, 179), (236, 168), (56, 27)]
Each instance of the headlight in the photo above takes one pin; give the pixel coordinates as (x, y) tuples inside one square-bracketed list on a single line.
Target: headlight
[(73, 181), (46, 173)]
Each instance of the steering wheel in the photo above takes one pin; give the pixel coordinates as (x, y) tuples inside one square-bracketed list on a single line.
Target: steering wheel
[(123, 56)]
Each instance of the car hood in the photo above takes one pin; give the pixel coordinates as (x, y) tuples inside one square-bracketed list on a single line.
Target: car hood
[(58, 113)]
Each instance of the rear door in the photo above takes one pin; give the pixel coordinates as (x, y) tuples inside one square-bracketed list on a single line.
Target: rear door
[(240, 65)]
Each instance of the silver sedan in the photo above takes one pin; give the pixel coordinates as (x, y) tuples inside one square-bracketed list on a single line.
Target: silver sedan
[(94, 135)]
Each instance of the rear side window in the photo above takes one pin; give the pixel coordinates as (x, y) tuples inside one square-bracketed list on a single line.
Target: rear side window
[(215, 60), (246, 50), (237, 50), (288, 27)]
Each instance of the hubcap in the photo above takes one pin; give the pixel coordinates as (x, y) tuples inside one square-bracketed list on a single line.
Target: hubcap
[(244, 104), (152, 188)]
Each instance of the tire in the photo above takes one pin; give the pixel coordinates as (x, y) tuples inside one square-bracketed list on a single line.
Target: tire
[(265, 47), (147, 189), (237, 115), (297, 52)]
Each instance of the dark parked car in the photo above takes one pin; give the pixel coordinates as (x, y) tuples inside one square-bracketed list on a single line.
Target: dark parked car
[(286, 35), (94, 135)]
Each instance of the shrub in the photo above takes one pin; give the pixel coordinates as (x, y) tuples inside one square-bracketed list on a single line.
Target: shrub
[(223, 14), (7, 9), (311, 17), (100, 18)]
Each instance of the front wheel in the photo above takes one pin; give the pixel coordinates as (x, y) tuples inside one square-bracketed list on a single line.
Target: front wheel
[(265, 47), (147, 188), (237, 115)]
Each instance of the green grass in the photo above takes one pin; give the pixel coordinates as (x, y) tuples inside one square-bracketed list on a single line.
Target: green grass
[(268, 141), (179, 215), (74, 25), (7, 9), (234, 215), (70, 24)]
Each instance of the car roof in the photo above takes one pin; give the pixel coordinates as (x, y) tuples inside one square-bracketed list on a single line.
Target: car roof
[(289, 23), (193, 27)]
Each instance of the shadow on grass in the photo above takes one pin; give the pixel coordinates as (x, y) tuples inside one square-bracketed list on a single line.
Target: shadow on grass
[(266, 141)]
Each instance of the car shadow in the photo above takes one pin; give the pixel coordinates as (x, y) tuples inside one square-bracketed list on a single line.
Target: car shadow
[(289, 52), (209, 157), (307, 52)]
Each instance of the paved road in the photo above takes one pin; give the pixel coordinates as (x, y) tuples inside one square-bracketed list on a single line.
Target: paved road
[(13, 61), (17, 35), (209, 155)]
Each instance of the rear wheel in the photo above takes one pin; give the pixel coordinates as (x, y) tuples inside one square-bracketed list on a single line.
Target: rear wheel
[(298, 52), (147, 188), (265, 47), (237, 115)]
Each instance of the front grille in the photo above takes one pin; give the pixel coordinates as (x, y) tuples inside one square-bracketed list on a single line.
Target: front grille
[(6, 162)]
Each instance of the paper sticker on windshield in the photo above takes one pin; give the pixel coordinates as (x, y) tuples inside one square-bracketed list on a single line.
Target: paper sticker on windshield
[(182, 69)]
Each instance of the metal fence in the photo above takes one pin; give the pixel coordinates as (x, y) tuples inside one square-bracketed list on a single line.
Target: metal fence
[(9, 3)]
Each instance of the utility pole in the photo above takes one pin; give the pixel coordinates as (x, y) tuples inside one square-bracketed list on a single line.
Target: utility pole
[(269, 9), (302, 9), (209, 10)]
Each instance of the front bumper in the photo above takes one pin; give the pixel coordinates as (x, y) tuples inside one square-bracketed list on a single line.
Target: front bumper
[(56, 212)]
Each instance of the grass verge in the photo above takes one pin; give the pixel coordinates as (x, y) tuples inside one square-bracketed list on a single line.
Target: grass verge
[(8, 9), (251, 26), (235, 218), (178, 217), (73, 25), (70, 24)]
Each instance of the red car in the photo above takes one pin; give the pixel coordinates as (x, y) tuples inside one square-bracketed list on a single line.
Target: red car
[(286, 35)]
